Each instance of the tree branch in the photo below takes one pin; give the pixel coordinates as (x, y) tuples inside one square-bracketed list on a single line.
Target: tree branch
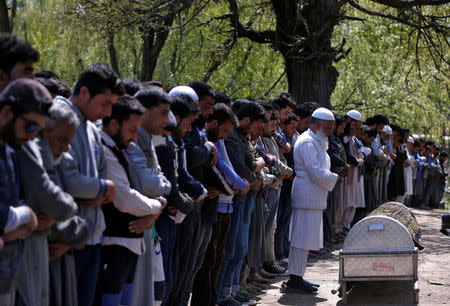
[(263, 37), (408, 4)]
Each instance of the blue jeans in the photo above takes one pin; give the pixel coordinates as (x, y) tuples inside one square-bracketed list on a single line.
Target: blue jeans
[(87, 268), (282, 231), (226, 272), (242, 241), (167, 230)]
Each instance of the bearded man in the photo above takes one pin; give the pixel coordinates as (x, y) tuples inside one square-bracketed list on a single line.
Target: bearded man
[(311, 185)]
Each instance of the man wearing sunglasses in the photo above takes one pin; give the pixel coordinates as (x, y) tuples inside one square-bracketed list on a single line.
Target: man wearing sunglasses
[(24, 107)]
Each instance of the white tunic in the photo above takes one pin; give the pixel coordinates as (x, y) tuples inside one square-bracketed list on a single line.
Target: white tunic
[(311, 185), (408, 171)]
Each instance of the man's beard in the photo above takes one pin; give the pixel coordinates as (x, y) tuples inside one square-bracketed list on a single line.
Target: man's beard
[(212, 134), (200, 122), (8, 134), (322, 139), (118, 139)]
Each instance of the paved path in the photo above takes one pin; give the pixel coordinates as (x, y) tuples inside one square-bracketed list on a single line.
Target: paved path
[(434, 264)]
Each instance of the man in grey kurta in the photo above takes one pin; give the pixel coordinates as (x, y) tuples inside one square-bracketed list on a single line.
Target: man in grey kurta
[(152, 181)]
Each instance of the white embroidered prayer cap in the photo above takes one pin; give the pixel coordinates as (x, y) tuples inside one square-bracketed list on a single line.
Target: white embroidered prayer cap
[(323, 114), (355, 115), (410, 139), (387, 129), (183, 90)]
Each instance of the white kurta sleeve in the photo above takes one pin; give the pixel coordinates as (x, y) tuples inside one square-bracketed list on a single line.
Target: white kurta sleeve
[(322, 177), (128, 200)]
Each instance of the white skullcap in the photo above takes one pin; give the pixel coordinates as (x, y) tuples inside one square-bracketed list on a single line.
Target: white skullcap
[(355, 115), (410, 139), (323, 114), (415, 136), (387, 129), (183, 90)]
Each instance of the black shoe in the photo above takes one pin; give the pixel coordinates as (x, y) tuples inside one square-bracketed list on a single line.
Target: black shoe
[(229, 301), (445, 232), (241, 298), (311, 284), (275, 268), (290, 287)]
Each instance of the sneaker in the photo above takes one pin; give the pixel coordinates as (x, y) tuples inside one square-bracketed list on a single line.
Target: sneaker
[(289, 287), (275, 269)]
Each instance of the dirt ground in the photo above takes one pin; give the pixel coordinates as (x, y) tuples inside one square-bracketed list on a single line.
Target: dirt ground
[(434, 265)]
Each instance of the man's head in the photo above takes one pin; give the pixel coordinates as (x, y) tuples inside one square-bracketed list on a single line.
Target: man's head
[(443, 156), (16, 59), (285, 103), (157, 103), (289, 125), (132, 86), (126, 118), (60, 127), (339, 125), (386, 133), (380, 121), (304, 112), (221, 97), (206, 97), (185, 111), (96, 90), (353, 119), (251, 118), (24, 106), (220, 122), (55, 86), (272, 112), (368, 136), (322, 122)]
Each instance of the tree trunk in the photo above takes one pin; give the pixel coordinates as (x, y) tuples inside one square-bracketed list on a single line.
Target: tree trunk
[(151, 48), (112, 53), (311, 81), (4, 18)]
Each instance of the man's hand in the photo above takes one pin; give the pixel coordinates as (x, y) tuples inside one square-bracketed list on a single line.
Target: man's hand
[(246, 189), (260, 163), (212, 192), (214, 155), (110, 191), (142, 224), (44, 222), (24, 230), (287, 147), (91, 202), (56, 250)]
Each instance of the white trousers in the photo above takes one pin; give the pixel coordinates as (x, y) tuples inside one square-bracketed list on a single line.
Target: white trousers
[(297, 261)]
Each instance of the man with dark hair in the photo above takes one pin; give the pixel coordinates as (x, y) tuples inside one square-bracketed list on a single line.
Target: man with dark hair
[(304, 112), (152, 181), (200, 153), (16, 59), (251, 117), (284, 104), (24, 106), (281, 247), (184, 111), (218, 126), (122, 242), (56, 87), (83, 169), (132, 86)]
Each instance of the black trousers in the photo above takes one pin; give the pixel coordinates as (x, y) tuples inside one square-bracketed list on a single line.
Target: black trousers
[(117, 268), (204, 289)]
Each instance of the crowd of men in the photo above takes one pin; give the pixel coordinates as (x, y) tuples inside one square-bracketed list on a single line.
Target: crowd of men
[(117, 192)]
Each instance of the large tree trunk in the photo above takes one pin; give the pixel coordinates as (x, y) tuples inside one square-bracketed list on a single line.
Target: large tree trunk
[(4, 18), (311, 81)]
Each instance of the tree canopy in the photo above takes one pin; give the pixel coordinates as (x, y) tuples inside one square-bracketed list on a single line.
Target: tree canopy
[(398, 63)]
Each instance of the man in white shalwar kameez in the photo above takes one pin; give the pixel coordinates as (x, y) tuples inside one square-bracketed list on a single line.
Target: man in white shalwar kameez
[(311, 185)]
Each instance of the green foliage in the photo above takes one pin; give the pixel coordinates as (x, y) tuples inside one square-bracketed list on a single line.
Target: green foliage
[(382, 73)]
